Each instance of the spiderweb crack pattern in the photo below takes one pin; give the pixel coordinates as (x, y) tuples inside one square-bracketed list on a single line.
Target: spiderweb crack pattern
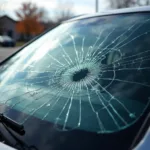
[(81, 89)]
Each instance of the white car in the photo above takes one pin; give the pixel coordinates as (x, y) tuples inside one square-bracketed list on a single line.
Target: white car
[(7, 41)]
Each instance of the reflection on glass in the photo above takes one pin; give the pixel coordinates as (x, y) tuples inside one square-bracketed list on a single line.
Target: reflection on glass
[(88, 75)]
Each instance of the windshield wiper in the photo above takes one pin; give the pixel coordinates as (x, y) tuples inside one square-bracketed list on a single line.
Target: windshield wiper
[(18, 128), (12, 124), (20, 145)]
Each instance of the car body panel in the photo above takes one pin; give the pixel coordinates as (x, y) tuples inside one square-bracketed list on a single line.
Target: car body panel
[(145, 142), (5, 147), (113, 12)]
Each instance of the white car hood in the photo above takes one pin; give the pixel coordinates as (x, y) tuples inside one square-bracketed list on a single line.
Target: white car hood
[(5, 147)]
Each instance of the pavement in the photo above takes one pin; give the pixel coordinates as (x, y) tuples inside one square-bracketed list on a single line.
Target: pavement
[(7, 51)]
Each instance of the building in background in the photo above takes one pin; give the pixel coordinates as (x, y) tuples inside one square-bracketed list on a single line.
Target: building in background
[(8, 27)]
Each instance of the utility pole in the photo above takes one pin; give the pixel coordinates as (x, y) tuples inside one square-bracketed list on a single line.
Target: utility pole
[(96, 5)]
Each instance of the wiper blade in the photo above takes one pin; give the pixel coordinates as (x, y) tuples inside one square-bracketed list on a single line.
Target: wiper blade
[(19, 128)]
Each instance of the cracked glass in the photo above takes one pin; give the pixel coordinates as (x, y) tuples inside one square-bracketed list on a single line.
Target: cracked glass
[(91, 75)]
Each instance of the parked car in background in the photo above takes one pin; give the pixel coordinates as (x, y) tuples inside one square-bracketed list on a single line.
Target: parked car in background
[(7, 41), (85, 85)]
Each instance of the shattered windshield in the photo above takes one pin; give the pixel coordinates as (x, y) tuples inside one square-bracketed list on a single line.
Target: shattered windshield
[(90, 74)]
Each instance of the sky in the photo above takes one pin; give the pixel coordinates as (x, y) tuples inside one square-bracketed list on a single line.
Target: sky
[(78, 6)]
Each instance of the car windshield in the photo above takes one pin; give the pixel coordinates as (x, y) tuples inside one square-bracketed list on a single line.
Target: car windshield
[(90, 75)]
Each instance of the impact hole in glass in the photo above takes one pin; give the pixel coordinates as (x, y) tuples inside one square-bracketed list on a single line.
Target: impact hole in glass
[(80, 75)]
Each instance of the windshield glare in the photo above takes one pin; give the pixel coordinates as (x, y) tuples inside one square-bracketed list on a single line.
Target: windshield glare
[(91, 75)]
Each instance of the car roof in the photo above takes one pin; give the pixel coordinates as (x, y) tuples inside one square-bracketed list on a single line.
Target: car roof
[(113, 12)]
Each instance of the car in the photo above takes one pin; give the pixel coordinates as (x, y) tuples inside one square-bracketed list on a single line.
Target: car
[(7, 41), (84, 85)]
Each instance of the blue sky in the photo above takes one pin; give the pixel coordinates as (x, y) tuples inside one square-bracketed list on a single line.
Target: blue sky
[(79, 6)]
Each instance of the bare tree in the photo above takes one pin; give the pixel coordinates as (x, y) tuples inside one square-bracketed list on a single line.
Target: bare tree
[(128, 3), (121, 3), (64, 11), (143, 2)]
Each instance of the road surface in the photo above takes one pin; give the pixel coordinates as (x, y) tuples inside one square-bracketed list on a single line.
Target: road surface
[(5, 52)]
